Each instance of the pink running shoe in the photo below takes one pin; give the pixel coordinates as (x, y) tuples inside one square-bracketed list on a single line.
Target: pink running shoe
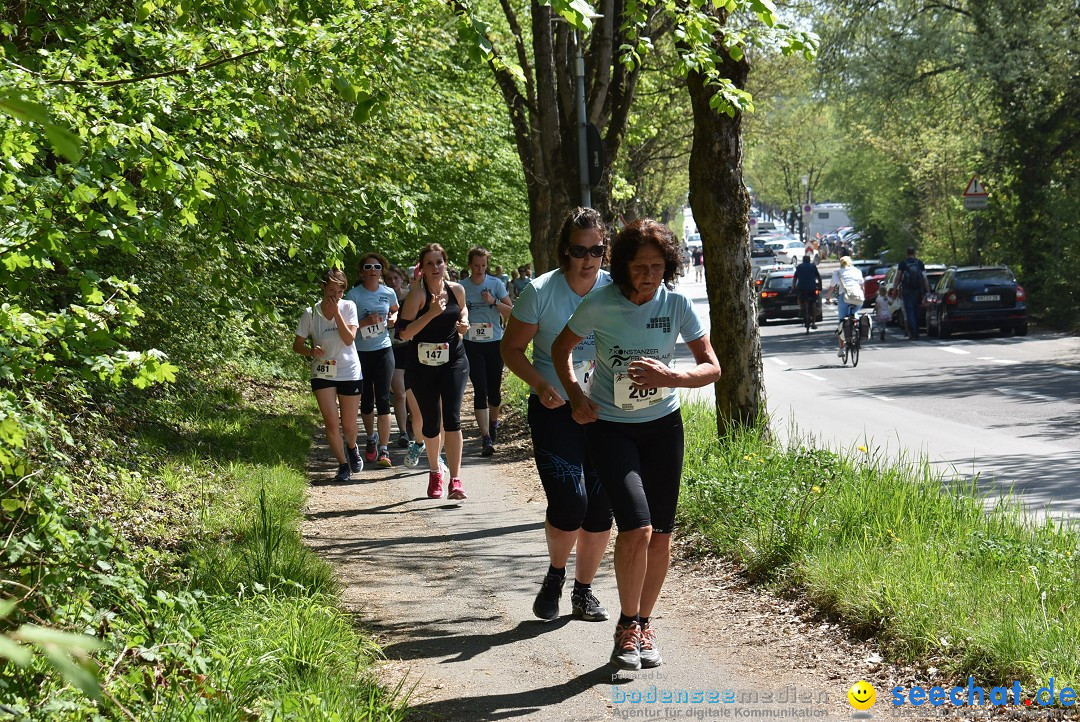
[(457, 491), (434, 485)]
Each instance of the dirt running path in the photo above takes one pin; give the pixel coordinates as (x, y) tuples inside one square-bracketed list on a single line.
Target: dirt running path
[(447, 589)]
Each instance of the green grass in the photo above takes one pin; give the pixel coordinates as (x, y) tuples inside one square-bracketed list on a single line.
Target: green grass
[(210, 607), (931, 573), (516, 394)]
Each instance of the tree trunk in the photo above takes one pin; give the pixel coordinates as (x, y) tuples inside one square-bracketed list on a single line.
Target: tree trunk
[(721, 206)]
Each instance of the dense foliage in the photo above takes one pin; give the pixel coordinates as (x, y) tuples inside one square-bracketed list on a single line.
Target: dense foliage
[(174, 175)]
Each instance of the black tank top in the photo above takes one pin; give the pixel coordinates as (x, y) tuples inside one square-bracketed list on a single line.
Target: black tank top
[(442, 328)]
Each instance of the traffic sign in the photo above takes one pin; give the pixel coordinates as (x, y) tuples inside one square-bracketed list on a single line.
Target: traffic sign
[(807, 208), (975, 203), (975, 189)]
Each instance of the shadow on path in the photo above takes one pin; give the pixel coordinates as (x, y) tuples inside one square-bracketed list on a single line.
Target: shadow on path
[(514, 704)]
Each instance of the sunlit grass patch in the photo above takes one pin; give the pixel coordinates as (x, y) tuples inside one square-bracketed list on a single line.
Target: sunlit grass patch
[(891, 549)]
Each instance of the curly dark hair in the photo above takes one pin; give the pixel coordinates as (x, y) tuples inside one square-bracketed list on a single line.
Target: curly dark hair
[(634, 236), (579, 219)]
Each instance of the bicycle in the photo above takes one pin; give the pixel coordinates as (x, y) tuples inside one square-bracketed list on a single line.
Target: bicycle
[(849, 326)]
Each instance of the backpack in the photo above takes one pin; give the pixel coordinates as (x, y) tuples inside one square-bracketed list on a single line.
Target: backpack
[(913, 270)]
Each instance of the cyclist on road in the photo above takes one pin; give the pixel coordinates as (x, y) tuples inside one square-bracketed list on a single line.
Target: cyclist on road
[(808, 286), (847, 285)]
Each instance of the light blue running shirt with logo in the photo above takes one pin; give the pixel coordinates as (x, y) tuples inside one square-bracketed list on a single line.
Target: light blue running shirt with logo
[(624, 333), (482, 312), (547, 303), (367, 302)]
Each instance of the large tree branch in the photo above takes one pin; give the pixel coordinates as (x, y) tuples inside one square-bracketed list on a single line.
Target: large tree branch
[(566, 74), (599, 59), (163, 74), (548, 137), (522, 52)]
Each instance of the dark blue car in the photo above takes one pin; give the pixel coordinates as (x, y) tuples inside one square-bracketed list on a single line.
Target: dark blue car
[(977, 298)]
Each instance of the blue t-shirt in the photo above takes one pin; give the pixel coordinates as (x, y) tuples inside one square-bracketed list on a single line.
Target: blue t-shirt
[(626, 332), (481, 312), (547, 303), (372, 338)]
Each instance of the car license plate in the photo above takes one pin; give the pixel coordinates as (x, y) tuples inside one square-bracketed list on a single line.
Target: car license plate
[(987, 298), (790, 308)]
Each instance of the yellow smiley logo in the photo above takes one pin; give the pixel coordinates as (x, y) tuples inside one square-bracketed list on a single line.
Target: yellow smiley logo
[(861, 695)]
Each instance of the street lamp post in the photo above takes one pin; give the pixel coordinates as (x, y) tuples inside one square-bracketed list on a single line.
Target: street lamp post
[(802, 214)]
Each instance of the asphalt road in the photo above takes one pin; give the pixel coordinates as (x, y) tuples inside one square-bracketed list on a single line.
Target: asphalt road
[(1003, 410)]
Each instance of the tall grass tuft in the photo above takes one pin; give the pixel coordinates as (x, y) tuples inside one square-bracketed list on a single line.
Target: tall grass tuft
[(893, 549)]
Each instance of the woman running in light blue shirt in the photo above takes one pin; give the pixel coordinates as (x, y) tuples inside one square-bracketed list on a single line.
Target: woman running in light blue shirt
[(488, 304), (631, 415), (376, 307)]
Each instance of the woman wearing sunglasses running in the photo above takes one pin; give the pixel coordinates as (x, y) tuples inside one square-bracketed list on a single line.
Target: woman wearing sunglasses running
[(376, 306), (629, 409), (577, 510)]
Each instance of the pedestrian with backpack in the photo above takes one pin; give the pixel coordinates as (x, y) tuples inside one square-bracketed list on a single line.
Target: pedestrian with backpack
[(912, 285)]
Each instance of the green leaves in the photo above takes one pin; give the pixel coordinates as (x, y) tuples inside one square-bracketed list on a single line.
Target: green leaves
[(63, 140)]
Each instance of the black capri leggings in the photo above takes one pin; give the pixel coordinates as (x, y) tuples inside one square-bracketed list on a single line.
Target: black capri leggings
[(434, 384), (640, 468), (378, 369), (575, 498), (485, 372)]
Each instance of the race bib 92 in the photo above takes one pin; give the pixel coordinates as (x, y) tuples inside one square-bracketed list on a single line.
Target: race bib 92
[(480, 332)]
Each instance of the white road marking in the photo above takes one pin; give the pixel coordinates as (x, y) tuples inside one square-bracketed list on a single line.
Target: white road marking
[(1026, 394), (813, 376), (1007, 362), (950, 349), (867, 393), (1069, 371), (778, 362)]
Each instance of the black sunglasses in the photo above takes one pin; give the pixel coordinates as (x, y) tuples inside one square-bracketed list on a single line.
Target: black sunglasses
[(596, 251), (372, 266)]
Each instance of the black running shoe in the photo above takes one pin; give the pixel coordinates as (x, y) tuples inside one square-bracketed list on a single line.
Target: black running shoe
[(343, 473), (586, 606), (494, 432), (488, 446), (546, 605), (356, 462)]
